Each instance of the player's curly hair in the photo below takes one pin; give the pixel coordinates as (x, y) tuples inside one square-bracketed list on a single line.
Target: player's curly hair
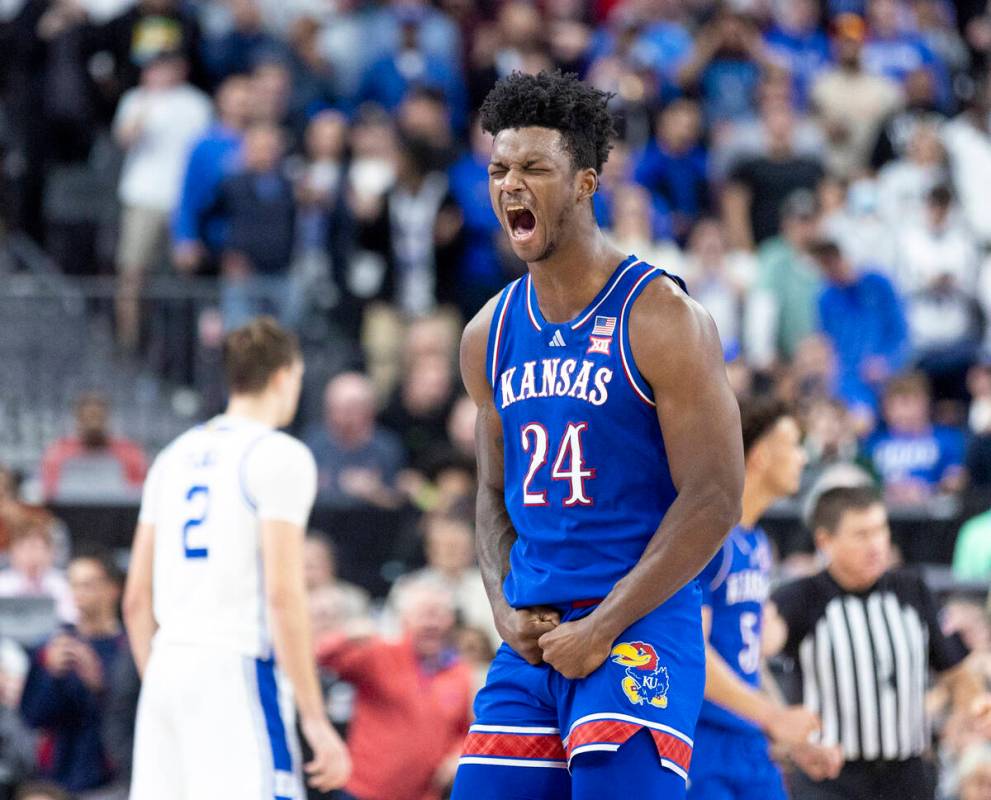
[(558, 101)]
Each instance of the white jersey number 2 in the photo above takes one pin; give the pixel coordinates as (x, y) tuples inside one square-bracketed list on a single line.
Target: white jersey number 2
[(198, 501)]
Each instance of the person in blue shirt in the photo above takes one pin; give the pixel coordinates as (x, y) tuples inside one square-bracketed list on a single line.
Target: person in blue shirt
[(863, 317), (914, 458), (674, 166), (388, 79), (726, 66), (800, 44), (896, 53), (66, 687), (731, 759), (197, 230), (481, 267)]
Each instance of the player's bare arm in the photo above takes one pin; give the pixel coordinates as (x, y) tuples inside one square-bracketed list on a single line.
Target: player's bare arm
[(282, 559), (494, 532), (677, 350), (139, 617), (786, 725)]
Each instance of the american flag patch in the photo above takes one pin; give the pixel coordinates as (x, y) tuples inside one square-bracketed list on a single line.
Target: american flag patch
[(604, 326)]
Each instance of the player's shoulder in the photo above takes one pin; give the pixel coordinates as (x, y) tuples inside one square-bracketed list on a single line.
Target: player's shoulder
[(279, 447), (475, 341), (667, 326), (664, 296)]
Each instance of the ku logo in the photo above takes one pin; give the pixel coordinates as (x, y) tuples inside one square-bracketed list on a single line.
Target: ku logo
[(599, 344), (646, 680)]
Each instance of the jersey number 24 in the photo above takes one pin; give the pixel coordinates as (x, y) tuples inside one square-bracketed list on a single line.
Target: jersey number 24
[(569, 464)]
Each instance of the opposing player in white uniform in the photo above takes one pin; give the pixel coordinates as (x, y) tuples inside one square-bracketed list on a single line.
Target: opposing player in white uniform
[(215, 597)]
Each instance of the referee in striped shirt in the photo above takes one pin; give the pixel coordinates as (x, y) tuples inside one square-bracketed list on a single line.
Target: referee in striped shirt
[(865, 639)]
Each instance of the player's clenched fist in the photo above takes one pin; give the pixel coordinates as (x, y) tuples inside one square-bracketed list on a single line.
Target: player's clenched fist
[(331, 764), (521, 629), (575, 649)]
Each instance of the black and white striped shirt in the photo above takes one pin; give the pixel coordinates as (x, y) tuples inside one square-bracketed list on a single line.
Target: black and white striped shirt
[(864, 660)]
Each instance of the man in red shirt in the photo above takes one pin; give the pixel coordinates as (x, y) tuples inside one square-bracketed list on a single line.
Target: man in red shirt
[(93, 443), (413, 703)]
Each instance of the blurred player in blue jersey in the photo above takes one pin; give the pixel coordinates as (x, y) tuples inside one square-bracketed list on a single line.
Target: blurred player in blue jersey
[(610, 471), (732, 761)]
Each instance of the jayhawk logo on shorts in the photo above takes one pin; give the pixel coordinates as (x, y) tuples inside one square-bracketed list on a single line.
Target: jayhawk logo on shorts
[(646, 680)]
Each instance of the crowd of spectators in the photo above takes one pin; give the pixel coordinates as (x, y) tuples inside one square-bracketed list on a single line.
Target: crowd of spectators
[(816, 170)]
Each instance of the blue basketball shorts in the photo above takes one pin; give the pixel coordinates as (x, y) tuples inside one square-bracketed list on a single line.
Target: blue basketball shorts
[(733, 765), (532, 720)]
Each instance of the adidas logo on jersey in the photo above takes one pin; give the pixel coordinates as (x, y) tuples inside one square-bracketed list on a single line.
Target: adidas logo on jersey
[(557, 340)]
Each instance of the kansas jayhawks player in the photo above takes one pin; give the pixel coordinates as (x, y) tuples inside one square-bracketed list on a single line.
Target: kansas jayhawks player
[(731, 751), (592, 524)]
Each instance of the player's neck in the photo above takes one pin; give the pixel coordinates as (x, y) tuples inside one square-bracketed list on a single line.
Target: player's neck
[(569, 280), (261, 408), (755, 501)]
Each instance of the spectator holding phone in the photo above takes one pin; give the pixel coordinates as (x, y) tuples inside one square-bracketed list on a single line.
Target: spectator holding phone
[(66, 685)]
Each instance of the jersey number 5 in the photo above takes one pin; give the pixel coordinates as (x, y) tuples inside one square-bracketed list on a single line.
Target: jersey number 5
[(198, 499), (569, 465)]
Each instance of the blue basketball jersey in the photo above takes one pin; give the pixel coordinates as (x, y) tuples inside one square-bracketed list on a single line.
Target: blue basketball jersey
[(735, 585), (586, 473)]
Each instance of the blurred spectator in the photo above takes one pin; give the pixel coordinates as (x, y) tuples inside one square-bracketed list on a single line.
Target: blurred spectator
[(759, 185), (633, 228), (972, 550), (921, 109), (719, 278), (418, 411), (852, 218), (320, 572), (483, 264), (895, 52), (413, 231), (796, 40), (673, 166), (93, 464), (863, 317), (651, 35), (322, 221), (903, 184), (449, 545), (66, 687), (32, 571), (197, 230), (155, 125), (967, 139), (238, 50), (388, 80), (781, 308), (914, 458), (935, 22), (938, 272), (413, 702), (144, 31), (851, 102), (725, 66), (830, 438), (260, 205), (357, 460)]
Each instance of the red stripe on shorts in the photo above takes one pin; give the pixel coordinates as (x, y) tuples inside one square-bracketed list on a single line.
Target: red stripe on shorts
[(514, 745), (608, 731)]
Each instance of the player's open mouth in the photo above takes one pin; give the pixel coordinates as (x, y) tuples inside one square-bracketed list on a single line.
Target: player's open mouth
[(522, 222)]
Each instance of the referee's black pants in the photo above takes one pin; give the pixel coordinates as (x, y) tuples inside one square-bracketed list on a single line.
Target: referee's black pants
[(911, 779)]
